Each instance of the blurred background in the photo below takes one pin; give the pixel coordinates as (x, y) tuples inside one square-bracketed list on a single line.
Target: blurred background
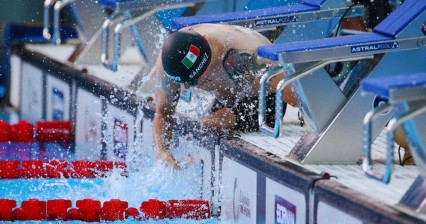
[(19, 11)]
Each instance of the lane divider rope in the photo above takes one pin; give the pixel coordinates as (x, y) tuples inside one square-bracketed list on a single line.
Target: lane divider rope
[(44, 132), (90, 210), (13, 169)]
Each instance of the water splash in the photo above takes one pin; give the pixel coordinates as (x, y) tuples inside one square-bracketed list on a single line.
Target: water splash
[(148, 178)]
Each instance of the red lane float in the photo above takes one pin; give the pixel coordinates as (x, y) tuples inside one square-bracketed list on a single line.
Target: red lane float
[(57, 209), (6, 207), (32, 169), (32, 209), (131, 212), (188, 209), (11, 169), (54, 131), (113, 210), (89, 210), (82, 168), (23, 131), (57, 169), (103, 167), (46, 131), (4, 131)]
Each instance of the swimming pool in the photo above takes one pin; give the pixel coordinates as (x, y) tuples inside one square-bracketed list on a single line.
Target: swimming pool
[(145, 179)]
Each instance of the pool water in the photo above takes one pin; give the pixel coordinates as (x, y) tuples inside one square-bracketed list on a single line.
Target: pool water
[(147, 179)]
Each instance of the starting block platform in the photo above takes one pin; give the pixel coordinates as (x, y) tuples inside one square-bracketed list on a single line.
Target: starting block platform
[(269, 18)]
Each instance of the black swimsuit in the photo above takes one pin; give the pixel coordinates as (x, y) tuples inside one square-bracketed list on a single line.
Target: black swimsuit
[(246, 112), (240, 66)]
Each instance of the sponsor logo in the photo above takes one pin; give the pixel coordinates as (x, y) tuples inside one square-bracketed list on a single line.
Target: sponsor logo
[(56, 131), (194, 73), (191, 56), (234, 201), (274, 21), (285, 212), (241, 202), (34, 103), (91, 126), (58, 104), (174, 78), (120, 138), (375, 47)]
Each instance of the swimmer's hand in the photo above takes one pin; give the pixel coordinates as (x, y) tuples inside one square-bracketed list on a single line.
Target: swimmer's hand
[(168, 158), (188, 161)]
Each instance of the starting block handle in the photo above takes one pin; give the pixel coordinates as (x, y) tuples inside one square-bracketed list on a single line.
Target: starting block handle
[(291, 76), (262, 102), (58, 5), (105, 46), (46, 18), (392, 125), (82, 35), (367, 163), (127, 20)]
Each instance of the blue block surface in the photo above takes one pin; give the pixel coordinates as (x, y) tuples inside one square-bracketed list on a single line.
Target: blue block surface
[(166, 16), (181, 22), (316, 3), (383, 85), (112, 3), (272, 52), (398, 20), (386, 30), (2, 90), (262, 4)]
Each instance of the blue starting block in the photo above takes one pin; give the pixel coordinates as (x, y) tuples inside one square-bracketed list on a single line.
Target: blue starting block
[(334, 112), (406, 93), (409, 87), (310, 19), (306, 11), (82, 20), (58, 6), (23, 33), (123, 15)]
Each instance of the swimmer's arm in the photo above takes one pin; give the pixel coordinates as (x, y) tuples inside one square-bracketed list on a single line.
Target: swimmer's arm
[(166, 96), (219, 120)]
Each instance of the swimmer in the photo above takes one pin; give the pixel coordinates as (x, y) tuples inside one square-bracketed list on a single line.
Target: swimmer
[(221, 59)]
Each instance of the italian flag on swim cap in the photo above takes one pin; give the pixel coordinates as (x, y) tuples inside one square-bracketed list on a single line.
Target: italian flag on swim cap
[(191, 56)]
